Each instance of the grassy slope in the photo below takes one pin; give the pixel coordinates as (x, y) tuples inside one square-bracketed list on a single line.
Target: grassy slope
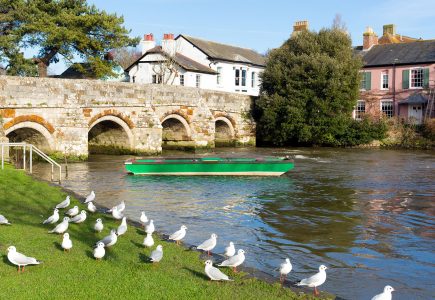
[(124, 270)]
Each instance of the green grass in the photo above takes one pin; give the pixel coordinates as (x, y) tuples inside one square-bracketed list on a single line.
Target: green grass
[(124, 271)]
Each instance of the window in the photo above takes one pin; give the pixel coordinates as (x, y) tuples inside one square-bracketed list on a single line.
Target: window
[(198, 80), (243, 77), (237, 77), (362, 85), (134, 78), (416, 78), (240, 77), (157, 78), (360, 109), (387, 108), (219, 76), (181, 79), (253, 79), (384, 80)]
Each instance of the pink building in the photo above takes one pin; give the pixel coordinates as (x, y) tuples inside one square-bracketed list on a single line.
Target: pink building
[(398, 77)]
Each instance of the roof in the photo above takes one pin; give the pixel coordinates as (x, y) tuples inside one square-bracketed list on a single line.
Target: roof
[(395, 38), (74, 72), (418, 52), (414, 99), (225, 52)]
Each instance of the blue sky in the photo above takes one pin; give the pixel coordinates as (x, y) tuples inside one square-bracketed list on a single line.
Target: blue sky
[(262, 25)]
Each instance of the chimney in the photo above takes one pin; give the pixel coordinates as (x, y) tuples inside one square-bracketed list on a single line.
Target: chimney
[(369, 38), (389, 29), (168, 44), (147, 43), (300, 26)]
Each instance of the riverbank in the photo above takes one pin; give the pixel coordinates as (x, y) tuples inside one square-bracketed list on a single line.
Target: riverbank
[(123, 272)]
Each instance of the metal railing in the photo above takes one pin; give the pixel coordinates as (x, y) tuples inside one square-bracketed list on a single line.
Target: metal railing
[(31, 148)]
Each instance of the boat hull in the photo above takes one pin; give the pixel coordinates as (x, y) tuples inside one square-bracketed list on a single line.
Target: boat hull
[(210, 167)]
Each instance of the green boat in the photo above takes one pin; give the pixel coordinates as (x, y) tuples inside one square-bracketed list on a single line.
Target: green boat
[(265, 166)]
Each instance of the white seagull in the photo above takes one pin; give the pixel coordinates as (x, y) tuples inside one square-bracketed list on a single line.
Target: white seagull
[(209, 244), (4, 221), (284, 269), (123, 227), (19, 259), (230, 250), (386, 294), (214, 273), (150, 227), (53, 218), (143, 218), (148, 240), (157, 255), (90, 197), (98, 227), (178, 235), (72, 211), (66, 242), (117, 214), (234, 261), (91, 207), (99, 251), (65, 203), (109, 240), (80, 218), (61, 227), (315, 280), (120, 207)]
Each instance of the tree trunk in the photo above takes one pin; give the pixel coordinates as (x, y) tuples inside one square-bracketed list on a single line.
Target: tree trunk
[(42, 69)]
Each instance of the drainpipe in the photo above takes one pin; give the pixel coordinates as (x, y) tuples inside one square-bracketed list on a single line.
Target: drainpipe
[(394, 89)]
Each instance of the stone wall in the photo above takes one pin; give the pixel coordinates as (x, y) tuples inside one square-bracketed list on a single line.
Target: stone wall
[(63, 111)]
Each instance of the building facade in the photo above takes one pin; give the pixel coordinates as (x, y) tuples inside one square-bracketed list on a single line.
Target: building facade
[(194, 62)]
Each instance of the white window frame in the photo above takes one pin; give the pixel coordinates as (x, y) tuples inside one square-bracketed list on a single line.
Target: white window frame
[(385, 73), (239, 79), (198, 80), (410, 78), (363, 79), (253, 79), (392, 107), (156, 79), (358, 114), (182, 79), (219, 76)]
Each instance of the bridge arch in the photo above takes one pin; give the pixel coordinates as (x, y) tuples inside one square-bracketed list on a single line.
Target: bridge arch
[(175, 127), (30, 132), (224, 127)]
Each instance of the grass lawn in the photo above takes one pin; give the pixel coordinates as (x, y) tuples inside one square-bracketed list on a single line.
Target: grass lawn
[(124, 271)]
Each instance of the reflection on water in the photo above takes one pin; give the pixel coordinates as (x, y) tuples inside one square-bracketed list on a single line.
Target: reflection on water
[(366, 214)]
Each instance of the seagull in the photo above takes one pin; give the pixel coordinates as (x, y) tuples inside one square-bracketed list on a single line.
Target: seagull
[(117, 214), (284, 269), (4, 221), (148, 240), (66, 242), (157, 255), (214, 273), (65, 203), (72, 211), (80, 218), (178, 235), (143, 218), (109, 240), (150, 227), (98, 227), (230, 250), (19, 259), (315, 280), (120, 207), (123, 227), (386, 294), (209, 244), (90, 197), (99, 251), (91, 207), (53, 218), (61, 227), (234, 261)]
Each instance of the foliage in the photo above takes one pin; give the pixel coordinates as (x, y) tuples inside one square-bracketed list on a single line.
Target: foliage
[(125, 56), (58, 28), (309, 90), (123, 273), (409, 136), (429, 129)]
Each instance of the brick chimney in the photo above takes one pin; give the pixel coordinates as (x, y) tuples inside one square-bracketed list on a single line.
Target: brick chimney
[(169, 44), (389, 29), (369, 38), (147, 43), (299, 26)]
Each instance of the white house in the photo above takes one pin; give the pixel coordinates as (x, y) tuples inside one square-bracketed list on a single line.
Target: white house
[(198, 63)]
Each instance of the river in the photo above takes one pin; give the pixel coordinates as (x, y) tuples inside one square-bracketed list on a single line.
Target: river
[(368, 215)]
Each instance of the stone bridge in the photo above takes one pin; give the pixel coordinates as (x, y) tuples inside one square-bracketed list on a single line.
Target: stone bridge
[(78, 117)]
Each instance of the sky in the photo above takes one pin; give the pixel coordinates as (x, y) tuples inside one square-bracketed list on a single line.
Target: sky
[(266, 24)]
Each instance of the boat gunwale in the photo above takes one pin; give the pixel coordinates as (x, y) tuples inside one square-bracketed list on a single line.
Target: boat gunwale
[(224, 160)]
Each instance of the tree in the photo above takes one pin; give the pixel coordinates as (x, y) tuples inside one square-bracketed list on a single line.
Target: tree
[(59, 29), (125, 56), (309, 90)]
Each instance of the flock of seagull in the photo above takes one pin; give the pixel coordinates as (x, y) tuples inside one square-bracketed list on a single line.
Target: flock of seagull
[(233, 260)]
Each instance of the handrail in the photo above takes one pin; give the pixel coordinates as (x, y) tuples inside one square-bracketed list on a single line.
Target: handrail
[(35, 149)]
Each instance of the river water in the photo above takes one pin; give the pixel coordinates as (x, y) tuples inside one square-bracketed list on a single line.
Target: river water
[(369, 215)]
